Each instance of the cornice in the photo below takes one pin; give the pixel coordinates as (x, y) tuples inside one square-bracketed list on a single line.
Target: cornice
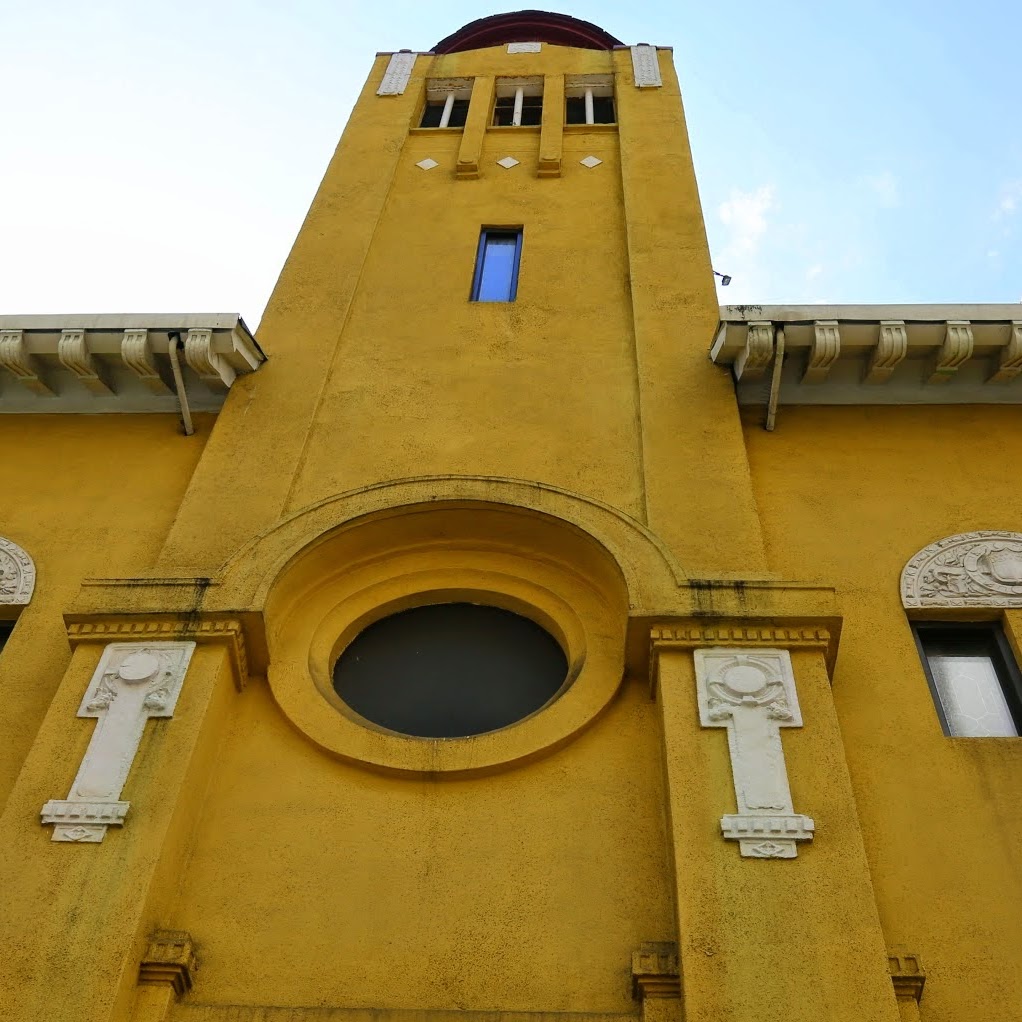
[(874, 354), (120, 363)]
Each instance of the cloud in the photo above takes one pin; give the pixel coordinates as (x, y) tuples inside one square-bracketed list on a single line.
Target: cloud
[(1010, 201), (885, 187), (745, 214)]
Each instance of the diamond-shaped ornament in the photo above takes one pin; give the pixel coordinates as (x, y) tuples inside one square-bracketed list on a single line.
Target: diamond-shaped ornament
[(590, 162), (427, 164), (508, 162)]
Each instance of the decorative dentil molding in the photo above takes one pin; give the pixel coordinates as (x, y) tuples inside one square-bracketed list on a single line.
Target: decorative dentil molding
[(137, 353), (891, 349), (133, 682), (655, 970), (17, 574), (907, 975), (399, 71), (15, 358), (74, 355), (169, 961), (228, 631), (956, 349), (972, 569), (210, 365), (646, 67), (757, 353), (753, 695), (824, 352)]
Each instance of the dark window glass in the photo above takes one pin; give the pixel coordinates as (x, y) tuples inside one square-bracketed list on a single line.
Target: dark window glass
[(6, 627), (576, 110), (603, 109), (459, 113), (431, 115), (974, 678), (450, 670), (497, 259)]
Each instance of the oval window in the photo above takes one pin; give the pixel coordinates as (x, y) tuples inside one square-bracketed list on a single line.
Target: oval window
[(450, 670)]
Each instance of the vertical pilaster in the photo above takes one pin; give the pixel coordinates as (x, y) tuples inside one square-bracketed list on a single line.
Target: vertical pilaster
[(95, 904), (767, 937), (551, 139), (478, 118)]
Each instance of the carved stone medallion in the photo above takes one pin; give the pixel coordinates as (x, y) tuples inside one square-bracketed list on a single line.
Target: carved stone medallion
[(17, 574), (973, 569)]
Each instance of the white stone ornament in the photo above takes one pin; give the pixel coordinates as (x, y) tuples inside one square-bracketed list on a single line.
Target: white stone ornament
[(508, 162), (752, 694), (646, 67), (524, 47), (17, 574), (395, 78), (972, 569), (591, 161), (427, 164), (133, 682)]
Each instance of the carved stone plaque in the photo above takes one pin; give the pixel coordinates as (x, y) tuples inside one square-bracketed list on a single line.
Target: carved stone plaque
[(752, 694), (395, 78), (646, 67), (133, 682), (973, 569)]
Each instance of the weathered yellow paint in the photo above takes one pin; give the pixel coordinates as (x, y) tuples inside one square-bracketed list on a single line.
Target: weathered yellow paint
[(574, 456)]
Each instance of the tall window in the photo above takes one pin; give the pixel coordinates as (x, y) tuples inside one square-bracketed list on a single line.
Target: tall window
[(590, 100), (519, 102), (446, 103), (497, 259), (974, 678)]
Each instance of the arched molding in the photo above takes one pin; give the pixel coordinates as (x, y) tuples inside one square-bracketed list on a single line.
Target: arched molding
[(971, 569), (651, 573), (17, 574)]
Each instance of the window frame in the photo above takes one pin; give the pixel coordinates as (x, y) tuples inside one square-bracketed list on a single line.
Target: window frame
[(1002, 659), (477, 276), (446, 91), (589, 88), (516, 90)]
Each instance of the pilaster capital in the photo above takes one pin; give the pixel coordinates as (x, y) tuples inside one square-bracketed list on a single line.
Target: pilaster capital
[(170, 960), (907, 975), (655, 970)]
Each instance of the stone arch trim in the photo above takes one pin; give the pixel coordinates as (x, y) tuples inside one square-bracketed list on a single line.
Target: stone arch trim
[(652, 574), (971, 569), (17, 574)]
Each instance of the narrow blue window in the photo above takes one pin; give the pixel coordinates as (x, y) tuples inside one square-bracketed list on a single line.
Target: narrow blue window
[(496, 276)]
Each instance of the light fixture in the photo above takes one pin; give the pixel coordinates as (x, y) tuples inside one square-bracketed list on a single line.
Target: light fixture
[(724, 278)]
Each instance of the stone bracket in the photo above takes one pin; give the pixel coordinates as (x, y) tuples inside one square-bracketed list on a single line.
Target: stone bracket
[(74, 355), (752, 694), (907, 975), (891, 349), (16, 359)]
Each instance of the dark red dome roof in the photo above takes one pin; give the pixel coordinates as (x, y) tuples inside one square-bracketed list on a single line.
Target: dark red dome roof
[(527, 27)]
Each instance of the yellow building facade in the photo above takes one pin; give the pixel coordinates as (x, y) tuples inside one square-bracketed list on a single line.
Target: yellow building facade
[(777, 551)]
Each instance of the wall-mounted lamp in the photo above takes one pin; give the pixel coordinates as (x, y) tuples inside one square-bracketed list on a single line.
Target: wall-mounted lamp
[(724, 278)]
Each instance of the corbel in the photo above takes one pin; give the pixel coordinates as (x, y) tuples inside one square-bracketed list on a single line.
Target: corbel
[(15, 358), (892, 346), (169, 961), (909, 978), (211, 367), (824, 352), (551, 139), (137, 354), (1010, 363), (74, 355), (753, 359), (956, 349)]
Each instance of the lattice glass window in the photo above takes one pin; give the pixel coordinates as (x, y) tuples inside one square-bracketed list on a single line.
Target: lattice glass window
[(974, 678)]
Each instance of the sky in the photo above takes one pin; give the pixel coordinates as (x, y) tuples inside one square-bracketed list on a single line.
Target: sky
[(160, 157)]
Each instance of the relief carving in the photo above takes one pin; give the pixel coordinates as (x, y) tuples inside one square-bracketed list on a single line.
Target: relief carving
[(17, 574), (973, 569)]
